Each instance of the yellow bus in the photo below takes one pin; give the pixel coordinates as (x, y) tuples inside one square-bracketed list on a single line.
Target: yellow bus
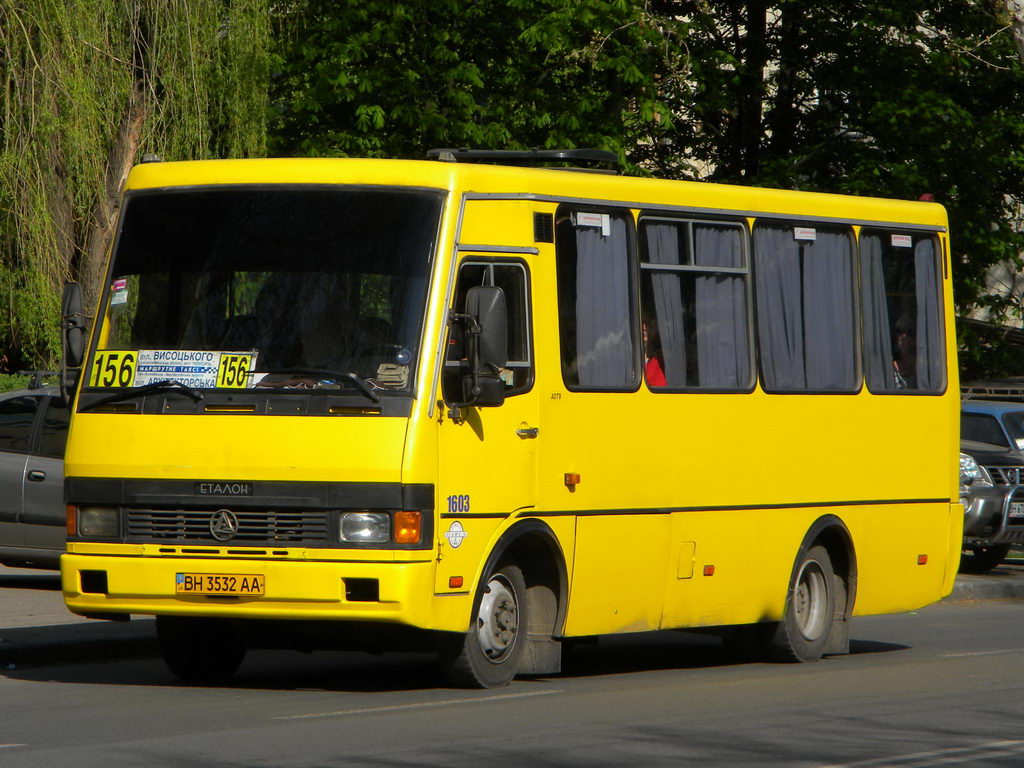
[(480, 406)]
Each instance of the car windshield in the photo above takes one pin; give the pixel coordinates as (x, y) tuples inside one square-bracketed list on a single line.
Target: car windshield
[(1014, 423), (283, 287), (982, 428)]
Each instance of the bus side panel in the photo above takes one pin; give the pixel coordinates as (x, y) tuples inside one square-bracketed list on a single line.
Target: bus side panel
[(618, 579), (891, 543), (719, 580)]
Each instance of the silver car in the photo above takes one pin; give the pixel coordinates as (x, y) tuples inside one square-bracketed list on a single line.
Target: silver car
[(33, 432)]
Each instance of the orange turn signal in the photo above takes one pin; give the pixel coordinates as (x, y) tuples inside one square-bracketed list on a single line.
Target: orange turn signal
[(454, 582), (572, 479), (709, 570), (922, 559), (407, 527), (72, 520)]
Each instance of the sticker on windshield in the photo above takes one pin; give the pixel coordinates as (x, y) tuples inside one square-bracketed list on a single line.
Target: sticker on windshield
[(199, 369), (119, 292), (113, 368)]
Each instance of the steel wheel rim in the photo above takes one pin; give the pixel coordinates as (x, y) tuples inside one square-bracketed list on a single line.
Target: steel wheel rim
[(810, 603), (497, 623)]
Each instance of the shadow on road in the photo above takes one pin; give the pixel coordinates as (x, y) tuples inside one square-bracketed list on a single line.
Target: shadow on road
[(43, 580), (136, 663)]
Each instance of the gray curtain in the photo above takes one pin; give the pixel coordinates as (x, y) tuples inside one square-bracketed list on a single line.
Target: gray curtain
[(878, 355), (929, 333), (722, 340), (780, 320), (829, 332), (805, 309), (604, 345), (663, 240)]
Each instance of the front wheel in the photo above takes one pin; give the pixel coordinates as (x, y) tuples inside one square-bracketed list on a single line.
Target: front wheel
[(200, 650), (488, 655), (803, 633)]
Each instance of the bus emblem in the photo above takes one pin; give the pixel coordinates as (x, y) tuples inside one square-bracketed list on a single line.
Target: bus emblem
[(455, 534), (223, 525)]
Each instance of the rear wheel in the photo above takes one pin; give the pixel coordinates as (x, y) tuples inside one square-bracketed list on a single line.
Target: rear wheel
[(200, 650), (489, 654), (983, 559), (803, 633)]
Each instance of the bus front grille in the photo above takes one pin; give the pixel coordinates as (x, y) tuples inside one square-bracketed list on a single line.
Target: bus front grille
[(253, 526)]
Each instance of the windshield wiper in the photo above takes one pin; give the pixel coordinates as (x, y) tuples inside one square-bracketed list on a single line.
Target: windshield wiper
[(156, 386), (322, 374)]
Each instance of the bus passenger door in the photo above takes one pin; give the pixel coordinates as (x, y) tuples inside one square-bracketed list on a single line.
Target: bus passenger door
[(488, 455)]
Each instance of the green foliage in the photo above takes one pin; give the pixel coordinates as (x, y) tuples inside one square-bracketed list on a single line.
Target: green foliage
[(381, 78), (896, 100), (87, 84), (12, 381)]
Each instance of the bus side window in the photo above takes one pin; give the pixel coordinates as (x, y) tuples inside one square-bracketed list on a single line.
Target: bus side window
[(806, 321), (513, 279), (903, 345), (596, 308), (694, 303)]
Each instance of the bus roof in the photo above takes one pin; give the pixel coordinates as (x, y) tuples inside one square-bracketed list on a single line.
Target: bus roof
[(540, 184)]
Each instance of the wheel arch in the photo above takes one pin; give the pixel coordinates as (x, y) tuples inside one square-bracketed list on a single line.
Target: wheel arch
[(534, 547), (831, 532)]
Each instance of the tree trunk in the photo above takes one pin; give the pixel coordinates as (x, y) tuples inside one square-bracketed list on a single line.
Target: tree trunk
[(104, 217), (751, 92), (1016, 9)]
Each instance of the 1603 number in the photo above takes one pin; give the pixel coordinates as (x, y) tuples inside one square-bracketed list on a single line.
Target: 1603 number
[(458, 503)]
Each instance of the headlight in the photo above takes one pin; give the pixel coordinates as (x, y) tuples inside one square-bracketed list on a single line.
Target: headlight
[(365, 527), (972, 473), (99, 522)]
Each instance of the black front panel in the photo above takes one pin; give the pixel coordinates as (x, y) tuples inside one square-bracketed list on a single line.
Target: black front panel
[(266, 513)]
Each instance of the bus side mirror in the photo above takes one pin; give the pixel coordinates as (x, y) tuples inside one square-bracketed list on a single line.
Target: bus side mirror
[(73, 325), (486, 335)]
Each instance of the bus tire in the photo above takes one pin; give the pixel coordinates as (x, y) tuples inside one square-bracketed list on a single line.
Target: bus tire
[(803, 633), (489, 654), (199, 650)]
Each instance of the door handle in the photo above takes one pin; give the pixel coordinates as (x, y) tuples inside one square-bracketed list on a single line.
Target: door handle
[(36, 475), (528, 433)]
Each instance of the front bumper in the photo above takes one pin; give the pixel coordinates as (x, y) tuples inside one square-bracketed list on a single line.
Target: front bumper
[(993, 515), (387, 592)]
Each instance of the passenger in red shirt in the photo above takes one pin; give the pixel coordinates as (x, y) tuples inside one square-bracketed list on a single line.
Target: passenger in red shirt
[(654, 371)]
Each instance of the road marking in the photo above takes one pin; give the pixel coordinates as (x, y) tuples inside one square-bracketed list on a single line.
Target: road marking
[(939, 756), (419, 705), (8, 746), (981, 653)]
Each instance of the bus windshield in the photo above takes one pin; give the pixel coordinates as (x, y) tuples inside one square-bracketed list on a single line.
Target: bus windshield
[(305, 285)]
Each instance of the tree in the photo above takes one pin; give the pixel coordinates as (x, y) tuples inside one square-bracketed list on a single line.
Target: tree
[(87, 84), (383, 78), (896, 100)]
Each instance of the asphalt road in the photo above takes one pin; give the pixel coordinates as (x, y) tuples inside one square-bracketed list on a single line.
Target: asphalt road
[(939, 686)]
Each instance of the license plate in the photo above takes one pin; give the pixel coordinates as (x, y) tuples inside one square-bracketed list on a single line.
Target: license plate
[(218, 584), (1017, 510)]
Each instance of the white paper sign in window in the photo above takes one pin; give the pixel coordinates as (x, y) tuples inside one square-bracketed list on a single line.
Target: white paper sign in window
[(600, 220)]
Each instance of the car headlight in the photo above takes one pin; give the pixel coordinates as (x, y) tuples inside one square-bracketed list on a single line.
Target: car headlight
[(99, 522), (365, 527), (972, 473)]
